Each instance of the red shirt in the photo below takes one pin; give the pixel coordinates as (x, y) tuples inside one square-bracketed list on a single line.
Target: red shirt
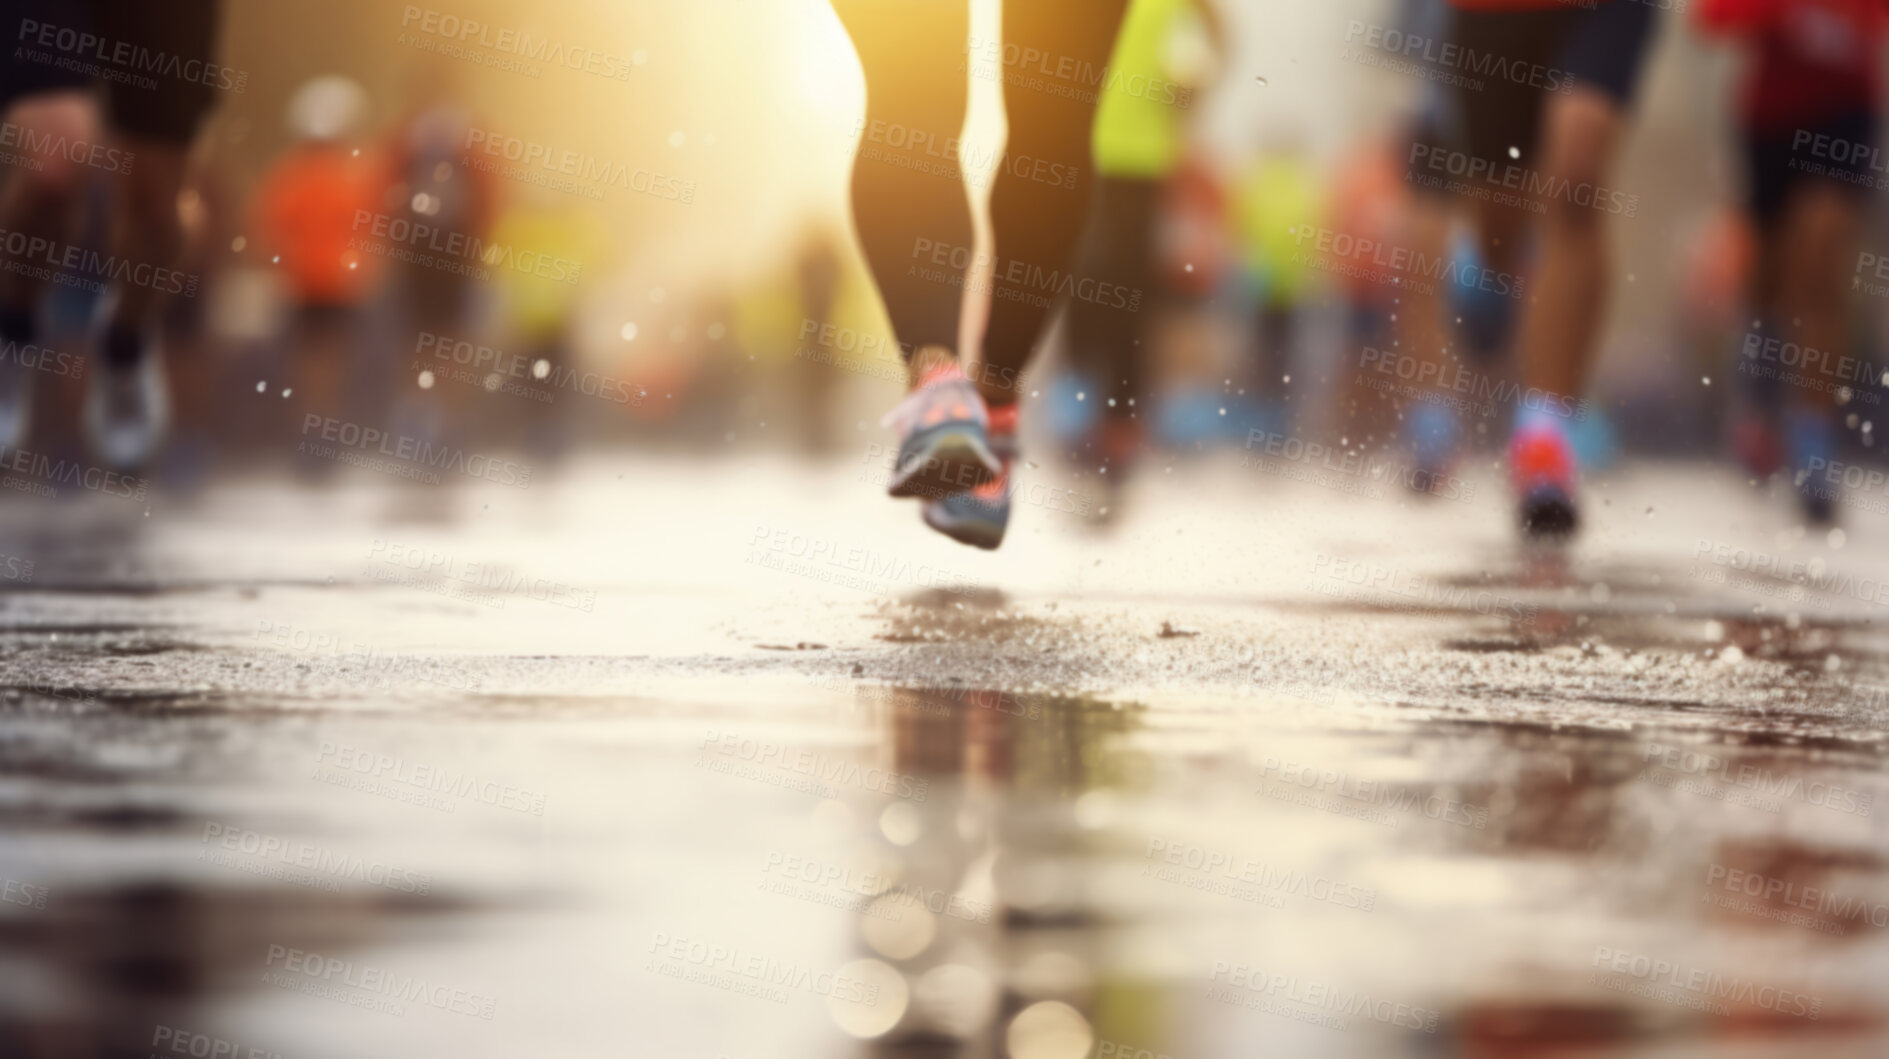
[(1813, 59)]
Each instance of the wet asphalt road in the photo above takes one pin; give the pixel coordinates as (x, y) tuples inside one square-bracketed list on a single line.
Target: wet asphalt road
[(701, 759)]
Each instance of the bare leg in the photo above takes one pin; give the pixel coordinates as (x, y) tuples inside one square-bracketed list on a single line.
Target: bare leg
[(1041, 196), (37, 201), (145, 230), (909, 203), (1568, 294), (1816, 244)]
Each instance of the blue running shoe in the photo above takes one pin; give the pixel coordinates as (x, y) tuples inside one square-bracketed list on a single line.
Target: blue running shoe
[(1431, 433), (980, 516), (1810, 441)]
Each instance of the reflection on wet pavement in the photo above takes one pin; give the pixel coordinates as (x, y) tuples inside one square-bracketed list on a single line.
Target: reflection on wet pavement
[(1547, 821)]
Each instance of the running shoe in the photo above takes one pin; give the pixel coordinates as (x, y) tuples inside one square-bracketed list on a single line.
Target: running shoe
[(980, 516), (1432, 434), (1069, 410), (1542, 468), (945, 445), (16, 376), (127, 410), (1755, 442), (1118, 441), (1811, 441), (16, 400)]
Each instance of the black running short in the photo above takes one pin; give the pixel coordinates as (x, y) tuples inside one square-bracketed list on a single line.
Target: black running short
[(1840, 149), (1505, 64), (156, 59)]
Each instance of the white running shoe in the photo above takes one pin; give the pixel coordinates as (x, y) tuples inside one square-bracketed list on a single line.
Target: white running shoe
[(128, 410), (16, 401)]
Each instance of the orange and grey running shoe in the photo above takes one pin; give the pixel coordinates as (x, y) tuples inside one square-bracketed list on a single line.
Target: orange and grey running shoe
[(945, 445)]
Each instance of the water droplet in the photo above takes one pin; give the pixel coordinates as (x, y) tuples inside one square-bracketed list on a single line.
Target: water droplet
[(1262, 81)]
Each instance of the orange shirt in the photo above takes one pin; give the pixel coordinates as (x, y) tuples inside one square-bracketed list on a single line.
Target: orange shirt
[(304, 211)]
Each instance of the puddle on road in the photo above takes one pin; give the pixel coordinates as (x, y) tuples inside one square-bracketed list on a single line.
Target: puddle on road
[(898, 872)]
